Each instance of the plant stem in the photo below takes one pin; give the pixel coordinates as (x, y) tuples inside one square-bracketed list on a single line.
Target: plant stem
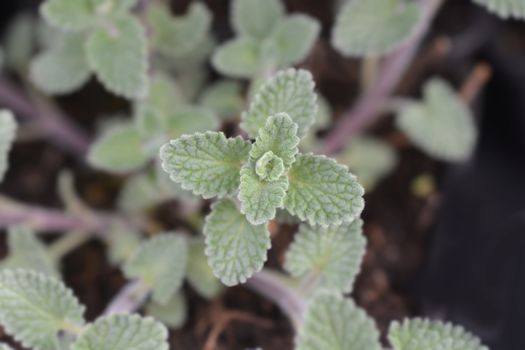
[(129, 299), (66, 244), (367, 108)]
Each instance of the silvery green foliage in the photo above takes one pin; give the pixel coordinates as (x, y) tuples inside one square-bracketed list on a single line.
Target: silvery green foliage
[(122, 243), (266, 39), (290, 91), (160, 263), (118, 149), (63, 67), (441, 124), (140, 192), (34, 308), (173, 314), (123, 332), (423, 334), (332, 255), (178, 36), (198, 273), (70, 15), (323, 192), (118, 57), (8, 129), (505, 8), (225, 98), (369, 158), (206, 163), (332, 322), (27, 252), (323, 118), (235, 248), (5, 347), (374, 27)]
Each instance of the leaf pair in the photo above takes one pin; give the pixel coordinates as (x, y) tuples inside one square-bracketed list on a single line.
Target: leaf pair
[(266, 38), (105, 39)]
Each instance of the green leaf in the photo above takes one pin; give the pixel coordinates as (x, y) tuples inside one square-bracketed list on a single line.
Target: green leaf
[(208, 164), (332, 255), (198, 272), (189, 120), (369, 159), (19, 42), (225, 98), (70, 15), (292, 39), (173, 314), (335, 323), (8, 129), (62, 68), (139, 193), (178, 36), (290, 91), (322, 191), (505, 8), (122, 244), (255, 18), (160, 263), (423, 334), (118, 56), (118, 150), (123, 332), (5, 347), (235, 248), (260, 197), (27, 252), (441, 124), (374, 27), (34, 308), (238, 58)]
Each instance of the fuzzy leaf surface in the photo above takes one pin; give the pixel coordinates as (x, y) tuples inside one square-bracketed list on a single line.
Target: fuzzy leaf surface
[(335, 323), (173, 314), (35, 307), (505, 8), (441, 125), (206, 163), (123, 332), (63, 68), (235, 248), (238, 58), (322, 191), (140, 192), (119, 59), (290, 91), (118, 150), (70, 15), (334, 254), (224, 98), (199, 274), (255, 18), (374, 27), (8, 129), (160, 263), (423, 334)]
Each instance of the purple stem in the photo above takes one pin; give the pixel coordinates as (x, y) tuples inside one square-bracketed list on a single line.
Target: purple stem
[(129, 299), (367, 108)]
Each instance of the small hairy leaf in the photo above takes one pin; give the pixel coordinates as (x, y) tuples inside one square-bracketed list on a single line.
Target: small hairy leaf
[(261, 196), (335, 323), (118, 150), (190, 119), (322, 191), (333, 255), (224, 98), (208, 164), (62, 68), (27, 252), (238, 58), (35, 307), (369, 159), (123, 332), (178, 36), (290, 91), (140, 192), (505, 8), (235, 248), (70, 15), (173, 314), (118, 56), (374, 27), (198, 272), (160, 263), (8, 129), (292, 39), (122, 243), (423, 334), (441, 124), (255, 18)]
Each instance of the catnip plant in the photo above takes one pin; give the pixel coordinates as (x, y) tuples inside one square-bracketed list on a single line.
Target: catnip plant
[(184, 141)]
